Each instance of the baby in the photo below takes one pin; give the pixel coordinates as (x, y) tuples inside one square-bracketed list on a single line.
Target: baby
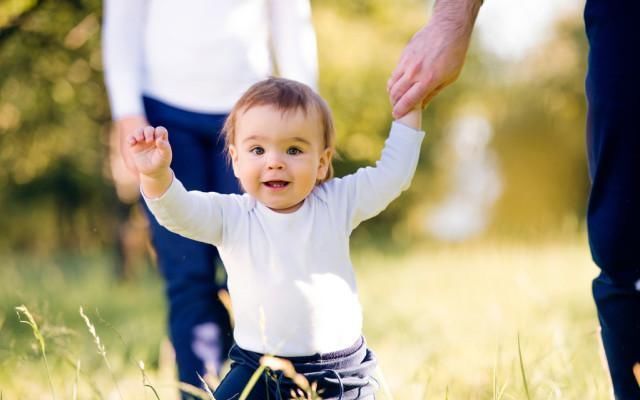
[(285, 241)]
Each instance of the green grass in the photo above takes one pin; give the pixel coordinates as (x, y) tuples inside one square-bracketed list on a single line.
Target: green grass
[(459, 322), (444, 321)]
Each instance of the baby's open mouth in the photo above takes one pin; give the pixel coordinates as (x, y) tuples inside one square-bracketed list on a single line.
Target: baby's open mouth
[(276, 184)]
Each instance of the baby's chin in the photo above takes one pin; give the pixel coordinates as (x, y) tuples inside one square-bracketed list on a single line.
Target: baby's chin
[(284, 208)]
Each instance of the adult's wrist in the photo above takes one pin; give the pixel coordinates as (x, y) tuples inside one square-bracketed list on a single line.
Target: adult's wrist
[(461, 14)]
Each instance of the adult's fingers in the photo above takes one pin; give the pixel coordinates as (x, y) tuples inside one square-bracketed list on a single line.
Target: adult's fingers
[(397, 73), (126, 152), (400, 87), (431, 95), (129, 162), (410, 99)]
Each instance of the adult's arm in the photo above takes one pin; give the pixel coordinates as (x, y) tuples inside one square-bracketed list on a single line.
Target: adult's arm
[(294, 40), (122, 52), (435, 55)]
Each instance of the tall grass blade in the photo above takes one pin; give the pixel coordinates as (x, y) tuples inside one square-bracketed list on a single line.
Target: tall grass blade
[(111, 327), (495, 380), (193, 391), (498, 392), (74, 395), (81, 374), (101, 349), (522, 371), (145, 381), (501, 391), (252, 382), (39, 338), (288, 370), (206, 387)]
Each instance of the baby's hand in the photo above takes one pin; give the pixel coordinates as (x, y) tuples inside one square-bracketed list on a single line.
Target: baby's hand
[(150, 150), (412, 119)]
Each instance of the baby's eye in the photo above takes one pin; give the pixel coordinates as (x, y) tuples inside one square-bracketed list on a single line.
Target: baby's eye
[(293, 151), (257, 150)]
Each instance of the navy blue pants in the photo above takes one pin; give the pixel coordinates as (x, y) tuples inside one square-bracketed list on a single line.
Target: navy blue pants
[(613, 138), (341, 375), (199, 325)]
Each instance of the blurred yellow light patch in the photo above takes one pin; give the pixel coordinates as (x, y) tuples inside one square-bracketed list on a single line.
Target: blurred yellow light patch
[(62, 92), (9, 117)]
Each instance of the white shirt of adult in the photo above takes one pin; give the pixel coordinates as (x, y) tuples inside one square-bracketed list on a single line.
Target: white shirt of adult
[(290, 276), (201, 55)]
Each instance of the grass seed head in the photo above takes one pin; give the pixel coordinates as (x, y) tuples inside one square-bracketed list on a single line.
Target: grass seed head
[(92, 330)]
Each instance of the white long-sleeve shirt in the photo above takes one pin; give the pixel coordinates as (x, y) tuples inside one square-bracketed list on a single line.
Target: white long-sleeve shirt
[(201, 55), (290, 276)]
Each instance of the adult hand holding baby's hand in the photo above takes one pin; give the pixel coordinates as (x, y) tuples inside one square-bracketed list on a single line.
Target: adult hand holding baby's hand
[(151, 151)]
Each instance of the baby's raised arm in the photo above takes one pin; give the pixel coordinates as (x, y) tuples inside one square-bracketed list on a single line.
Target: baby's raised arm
[(195, 215), (152, 156), (369, 190)]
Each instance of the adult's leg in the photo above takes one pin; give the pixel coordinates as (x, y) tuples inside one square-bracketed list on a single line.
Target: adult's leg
[(221, 177), (199, 324), (613, 216)]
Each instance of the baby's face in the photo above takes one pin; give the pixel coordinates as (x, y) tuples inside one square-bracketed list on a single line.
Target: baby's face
[(279, 156)]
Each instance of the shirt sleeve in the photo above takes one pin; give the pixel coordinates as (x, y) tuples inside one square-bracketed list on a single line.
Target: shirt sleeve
[(122, 51), (192, 214), (294, 40), (369, 190)]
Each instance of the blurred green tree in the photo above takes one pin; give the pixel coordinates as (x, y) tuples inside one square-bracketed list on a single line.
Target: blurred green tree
[(55, 192), (53, 117)]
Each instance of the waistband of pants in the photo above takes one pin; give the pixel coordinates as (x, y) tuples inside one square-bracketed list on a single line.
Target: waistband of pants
[(344, 374)]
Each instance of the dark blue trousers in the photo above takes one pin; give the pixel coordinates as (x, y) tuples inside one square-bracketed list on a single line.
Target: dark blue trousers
[(342, 375), (613, 138), (199, 325)]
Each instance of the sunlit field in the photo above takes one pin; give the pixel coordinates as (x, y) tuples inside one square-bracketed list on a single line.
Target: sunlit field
[(481, 321)]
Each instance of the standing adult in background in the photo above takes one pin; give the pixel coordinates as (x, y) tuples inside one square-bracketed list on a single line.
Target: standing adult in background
[(182, 65), (434, 58)]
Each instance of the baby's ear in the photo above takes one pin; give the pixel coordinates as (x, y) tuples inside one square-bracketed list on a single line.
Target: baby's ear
[(325, 163), (233, 154)]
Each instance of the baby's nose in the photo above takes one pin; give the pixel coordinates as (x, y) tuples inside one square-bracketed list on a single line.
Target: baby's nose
[(275, 162)]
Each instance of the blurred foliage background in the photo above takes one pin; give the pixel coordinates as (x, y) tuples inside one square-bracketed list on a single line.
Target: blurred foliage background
[(55, 188)]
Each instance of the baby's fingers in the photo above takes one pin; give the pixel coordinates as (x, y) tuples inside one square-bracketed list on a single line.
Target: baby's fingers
[(163, 146), (161, 133), (136, 137), (149, 134)]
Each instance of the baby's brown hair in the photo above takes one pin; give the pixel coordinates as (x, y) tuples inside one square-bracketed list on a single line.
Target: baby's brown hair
[(284, 95)]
